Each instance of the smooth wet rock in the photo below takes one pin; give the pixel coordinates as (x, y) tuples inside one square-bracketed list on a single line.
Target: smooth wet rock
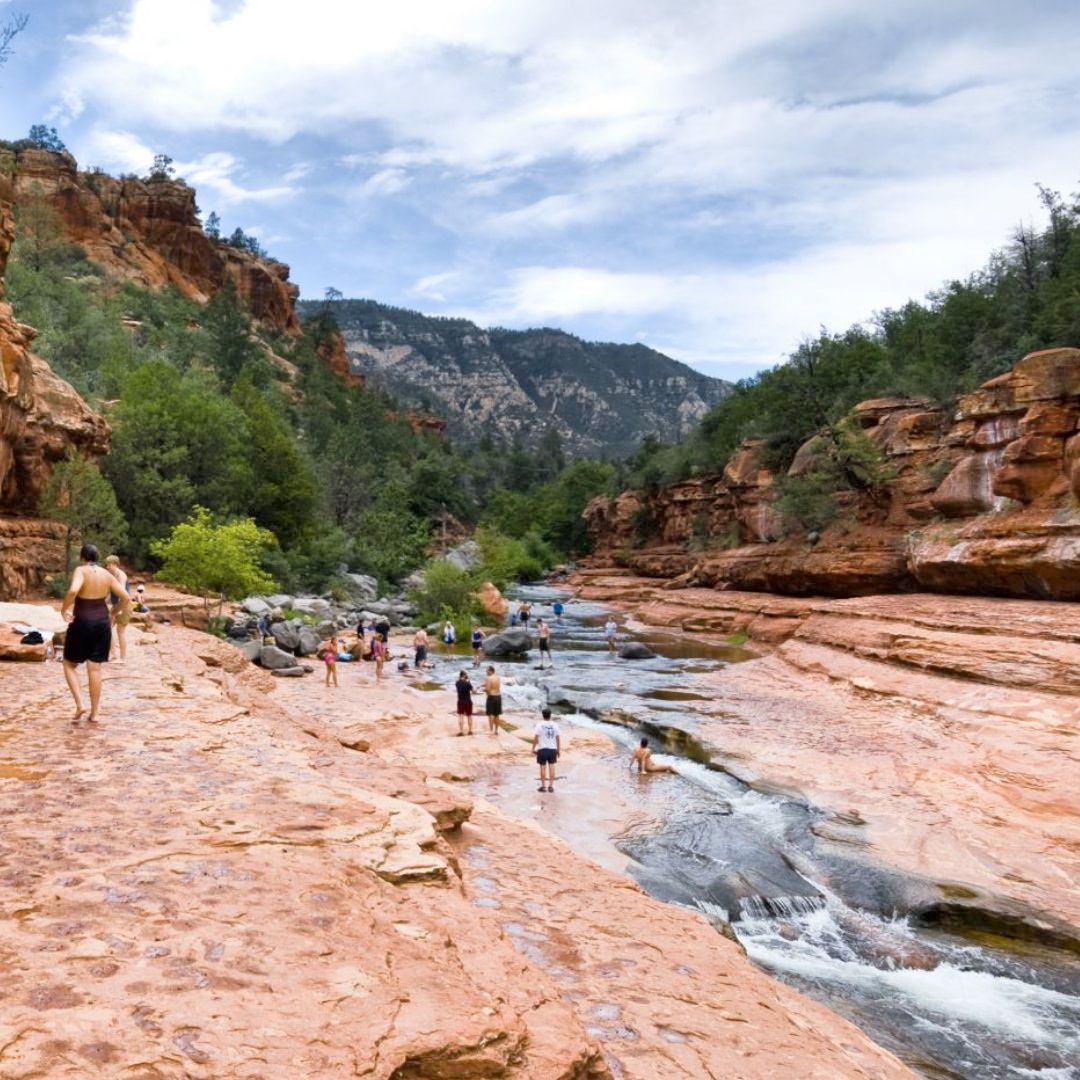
[(636, 650), (511, 642), (273, 658), (296, 672)]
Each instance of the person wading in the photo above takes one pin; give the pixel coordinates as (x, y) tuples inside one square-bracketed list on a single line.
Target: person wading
[(543, 634), (493, 702), (643, 759), (89, 634), (477, 645)]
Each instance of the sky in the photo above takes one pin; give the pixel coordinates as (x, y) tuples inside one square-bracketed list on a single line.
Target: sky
[(718, 180)]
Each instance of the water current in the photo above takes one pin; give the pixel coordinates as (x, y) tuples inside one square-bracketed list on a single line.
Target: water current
[(977, 1007)]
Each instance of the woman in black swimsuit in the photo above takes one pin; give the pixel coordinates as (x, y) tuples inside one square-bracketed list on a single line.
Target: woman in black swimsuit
[(89, 634)]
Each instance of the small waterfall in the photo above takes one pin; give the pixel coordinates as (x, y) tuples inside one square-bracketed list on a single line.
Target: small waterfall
[(779, 907)]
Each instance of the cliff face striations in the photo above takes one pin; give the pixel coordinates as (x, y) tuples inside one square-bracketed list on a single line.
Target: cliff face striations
[(980, 499), (148, 231), (40, 417), (600, 398)]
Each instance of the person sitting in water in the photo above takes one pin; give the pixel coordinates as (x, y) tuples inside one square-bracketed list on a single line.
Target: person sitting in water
[(643, 759)]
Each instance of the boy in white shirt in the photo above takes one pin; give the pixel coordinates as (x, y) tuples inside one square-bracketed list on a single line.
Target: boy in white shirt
[(546, 744)]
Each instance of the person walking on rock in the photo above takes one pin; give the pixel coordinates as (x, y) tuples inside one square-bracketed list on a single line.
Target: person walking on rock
[(543, 634), (547, 745), (120, 618), (378, 654), (493, 703), (329, 656), (89, 635), (477, 645), (611, 633), (464, 689)]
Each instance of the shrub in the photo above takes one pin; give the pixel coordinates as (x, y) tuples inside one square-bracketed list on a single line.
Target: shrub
[(809, 500), (447, 592)]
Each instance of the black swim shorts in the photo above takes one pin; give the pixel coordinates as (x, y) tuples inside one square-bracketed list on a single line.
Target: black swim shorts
[(547, 756)]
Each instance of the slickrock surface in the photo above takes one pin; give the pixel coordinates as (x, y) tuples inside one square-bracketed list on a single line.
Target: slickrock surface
[(950, 725), (221, 881)]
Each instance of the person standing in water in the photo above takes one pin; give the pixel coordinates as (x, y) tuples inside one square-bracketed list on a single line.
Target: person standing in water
[(611, 632), (477, 645), (120, 618), (420, 644), (557, 607), (89, 635), (543, 633), (643, 759), (523, 614), (493, 703), (547, 745), (464, 689), (449, 637)]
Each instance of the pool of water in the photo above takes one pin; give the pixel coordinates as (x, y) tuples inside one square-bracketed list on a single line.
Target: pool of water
[(841, 930)]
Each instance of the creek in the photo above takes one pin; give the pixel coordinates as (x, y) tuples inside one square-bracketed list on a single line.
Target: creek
[(970, 1004)]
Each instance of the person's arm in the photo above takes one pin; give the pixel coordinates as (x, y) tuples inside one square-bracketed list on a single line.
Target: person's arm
[(536, 739), (120, 591), (69, 597), (558, 745)]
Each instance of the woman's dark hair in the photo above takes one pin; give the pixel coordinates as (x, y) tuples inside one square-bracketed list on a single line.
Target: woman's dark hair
[(463, 674), (89, 553)]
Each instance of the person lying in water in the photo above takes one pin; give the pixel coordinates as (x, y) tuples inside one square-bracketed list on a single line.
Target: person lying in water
[(643, 759)]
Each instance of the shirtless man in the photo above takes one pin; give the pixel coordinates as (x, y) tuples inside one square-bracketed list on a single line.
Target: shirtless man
[(493, 704), (420, 643), (90, 634), (543, 633), (643, 759)]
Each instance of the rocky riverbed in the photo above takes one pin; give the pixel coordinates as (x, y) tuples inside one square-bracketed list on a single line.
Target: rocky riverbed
[(234, 876)]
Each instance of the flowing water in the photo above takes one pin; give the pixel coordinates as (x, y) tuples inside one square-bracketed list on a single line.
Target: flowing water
[(839, 929)]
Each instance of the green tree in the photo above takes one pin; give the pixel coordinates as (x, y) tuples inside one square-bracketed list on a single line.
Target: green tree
[(389, 542), (212, 228), (83, 501), (40, 233), (46, 138), (212, 559), (233, 348), (162, 168)]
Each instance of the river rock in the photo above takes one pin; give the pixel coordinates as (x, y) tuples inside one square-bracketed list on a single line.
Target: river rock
[(465, 556), (329, 626), (512, 642), (635, 650), (256, 605), (362, 586), (311, 605), (274, 659), (40, 616), (286, 635), (308, 643), (251, 649), (279, 600), (294, 672)]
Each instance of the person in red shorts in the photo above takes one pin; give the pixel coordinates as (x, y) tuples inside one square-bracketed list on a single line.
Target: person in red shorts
[(464, 689)]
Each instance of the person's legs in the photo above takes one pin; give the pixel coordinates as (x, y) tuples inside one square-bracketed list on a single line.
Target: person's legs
[(460, 722), (71, 677), (551, 776), (121, 631), (333, 672), (93, 672), (541, 766)]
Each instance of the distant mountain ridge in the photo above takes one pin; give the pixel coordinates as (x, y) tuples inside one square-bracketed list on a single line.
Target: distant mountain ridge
[(602, 398)]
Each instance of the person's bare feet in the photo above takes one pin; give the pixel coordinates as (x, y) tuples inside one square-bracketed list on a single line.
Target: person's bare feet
[(78, 714)]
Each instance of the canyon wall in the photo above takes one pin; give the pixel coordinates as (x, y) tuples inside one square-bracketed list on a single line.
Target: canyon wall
[(148, 231), (41, 416), (979, 499)]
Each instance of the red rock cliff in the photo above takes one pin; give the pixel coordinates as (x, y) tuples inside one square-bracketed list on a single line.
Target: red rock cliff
[(148, 231), (980, 500), (40, 417)]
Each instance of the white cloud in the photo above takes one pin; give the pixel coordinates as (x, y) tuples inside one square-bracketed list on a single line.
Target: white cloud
[(385, 182), (120, 151), (214, 172)]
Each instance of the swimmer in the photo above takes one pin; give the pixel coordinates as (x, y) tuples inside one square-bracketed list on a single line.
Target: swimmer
[(643, 759)]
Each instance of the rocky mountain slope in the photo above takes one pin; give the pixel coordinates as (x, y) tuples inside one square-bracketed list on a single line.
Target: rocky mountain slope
[(148, 231), (980, 499), (600, 398)]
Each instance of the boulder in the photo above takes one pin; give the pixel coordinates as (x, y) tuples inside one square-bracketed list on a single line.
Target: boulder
[(279, 600), (286, 634), (311, 605), (328, 627), (275, 659), (308, 643), (11, 648), (492, 601), (512, 642), (362, 586), (295, 672), (466, 556), (256, 605), (635, 650), (251, 649)]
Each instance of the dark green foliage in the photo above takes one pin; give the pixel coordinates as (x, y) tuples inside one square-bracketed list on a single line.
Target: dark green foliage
[(240, 240), (212, 228), (162, 168), (83, 501), (46, 138), (808, 500)]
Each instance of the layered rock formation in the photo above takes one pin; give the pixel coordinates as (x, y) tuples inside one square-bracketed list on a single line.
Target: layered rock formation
[(982, 499), (148, 231), (217, 883), (41, 416), (600, 398)]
